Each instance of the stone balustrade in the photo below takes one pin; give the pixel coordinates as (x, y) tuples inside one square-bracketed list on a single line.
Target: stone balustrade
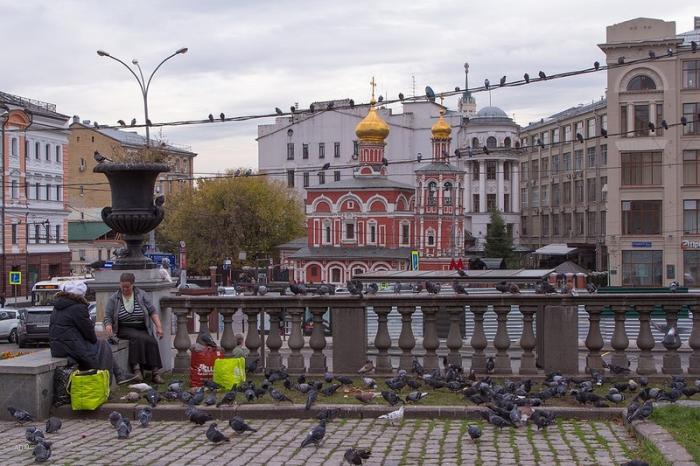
[(349, 333)]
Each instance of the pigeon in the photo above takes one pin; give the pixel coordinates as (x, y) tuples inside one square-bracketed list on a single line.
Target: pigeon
[(459, 288), (642, 412), (205, 339), (356, 456), (354, 287), (211, 385), (417, 368), (239, 426), (53, 424), (432, 288), (615, 397), (542, 419), (344, 380), (175, 386), (229, 398), (616, 369), (391, 397), (311, 398), (144, 416), (197, 416), (497, 420), (368, 367), (33, 435), (152, 397), (396, 383), (331, 389), (215, 435), (322, 290), (315, 435), (115, 418), (42, 452), (328, 414), (185, 397), (369, 382), (474, 432), (210, 399), (365, 397), (279, 396), (490, 365), (328, 377), (20, 415), (197, 397), (591, 288), (372, 288), (415, 397), (394, 416), (131, 396), (123, 429), (297, 289), (251, 366), (141, 387)]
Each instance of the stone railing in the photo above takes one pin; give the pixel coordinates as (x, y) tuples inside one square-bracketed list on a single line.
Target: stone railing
[(548, 342)]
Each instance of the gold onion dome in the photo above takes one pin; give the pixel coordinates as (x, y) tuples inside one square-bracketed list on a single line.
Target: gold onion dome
[(441, 129), (372, 128)]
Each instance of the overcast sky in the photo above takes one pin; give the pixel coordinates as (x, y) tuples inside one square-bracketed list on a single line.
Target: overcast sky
[(250, 57)]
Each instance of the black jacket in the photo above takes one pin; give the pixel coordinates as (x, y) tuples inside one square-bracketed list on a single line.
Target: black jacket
[(71, 332)]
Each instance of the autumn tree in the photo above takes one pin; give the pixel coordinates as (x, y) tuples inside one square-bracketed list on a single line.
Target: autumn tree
[(221, 217), (498, 242)]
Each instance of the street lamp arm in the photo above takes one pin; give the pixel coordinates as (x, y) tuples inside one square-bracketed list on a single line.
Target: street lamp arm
[(143, 80), (143, 90), (148, 84)]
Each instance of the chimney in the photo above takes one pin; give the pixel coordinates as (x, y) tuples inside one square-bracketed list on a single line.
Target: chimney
[(76, 119)]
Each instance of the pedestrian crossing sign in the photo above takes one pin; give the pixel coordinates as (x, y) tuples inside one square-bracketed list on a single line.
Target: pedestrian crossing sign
[(15, 278)]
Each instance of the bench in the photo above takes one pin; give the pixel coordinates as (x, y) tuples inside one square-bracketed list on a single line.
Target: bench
[(27, 380)]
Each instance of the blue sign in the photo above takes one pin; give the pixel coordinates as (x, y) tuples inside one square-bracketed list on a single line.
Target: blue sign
[(107, 265), (641, 244), (414, 260), (158, 257)]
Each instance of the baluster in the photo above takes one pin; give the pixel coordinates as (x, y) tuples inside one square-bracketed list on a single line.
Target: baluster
[(527, 341), (430, 339), (274, 340), (694, 343), (619, 341), (645, 342), (406, 339), (454, 336), (502, 341), (295, 362), (382, 341), (594, 340), (252, 338), (203, 324), (478, 341), (317, 363), (228, 341), (182, 341), (672, 360)]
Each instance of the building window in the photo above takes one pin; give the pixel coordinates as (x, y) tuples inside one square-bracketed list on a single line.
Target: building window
[(306, 179), (58, 154), (304, 151), (491, 202), (545, 225), (691, 112), (48, 152), (603, 155), (48, 233), (566, 187), (642, 268), (623, 121), (567, 161), (491, 142), (578, 223), (523, 225), (591, 217), (58, 234), (491, 169), (336, 150), (321, 150), (371, 233), (567, 224), (322, 178), (544, 195), (14, 233), (475, 202), (447, 194), (641, 168), (591, 189), (555, 225), (506, 170), (641, 217), (691, 215), (290, 178), (475, 143), (555, 135), (37, 238), (37, 150), (591, 128), (578, 160), (567, 133), (37, 190), (48, 192), (15, 189), (602, 222), (507, 142), (590, 157), (523, 198), (336, 175), (641, 120), (555, 163), (523, 171), (691, 167), (535, 170), (13, 147), (290, 151), (603, 122), (641, 83), (430, 238), (545, 166), (506, 203), (327, 233), (475, 171), (349, 231), (335, 275), (556, 195), (432, 193), (691, 74), (58, 192), (604, 188), (355, 148), (405, 233), (579, 128), (535, 197), (578, 191), (691, 268)]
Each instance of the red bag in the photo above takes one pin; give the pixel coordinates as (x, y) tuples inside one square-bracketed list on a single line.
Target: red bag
[(202, 365)]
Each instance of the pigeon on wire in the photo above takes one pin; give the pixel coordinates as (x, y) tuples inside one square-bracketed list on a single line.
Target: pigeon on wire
[(356, 455), (474, 432), (315, 435), (394, 416), (53, 424), (239, 426), (33, 435), (42, 452), (215, 435), (20, 415), (144, 416)]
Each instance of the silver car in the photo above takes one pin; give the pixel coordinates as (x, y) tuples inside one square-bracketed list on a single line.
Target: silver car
[(8, 324)]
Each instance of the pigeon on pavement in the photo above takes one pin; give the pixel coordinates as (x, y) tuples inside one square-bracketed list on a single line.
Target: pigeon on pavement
[(123, 429), (642, 412), (356, 455), (20, 415), (144, 416), (53, 424), (197, 416), (394, 416), (115, 418), (33, 435), (315, 435), (474, 432), (215, 435), (42, 452), (239, 425), (152, 397)]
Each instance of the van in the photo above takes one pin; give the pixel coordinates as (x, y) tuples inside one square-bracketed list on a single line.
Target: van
[(33, 326)]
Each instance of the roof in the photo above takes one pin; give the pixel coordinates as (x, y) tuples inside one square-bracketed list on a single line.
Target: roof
[(86, 231), (555, 249), (489, 276), (568, 113), (35, 106), (296, 243), (132, 138), (491, 112), (570, 267), (369, 252), (362, 182), (439, 167)]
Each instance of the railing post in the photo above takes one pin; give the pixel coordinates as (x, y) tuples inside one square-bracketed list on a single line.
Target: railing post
[(645, 342), (672, 360), (478, 341), (454, 336), (502, 341), (317, 342), (295, 362), (274, 341), (527, 341), (406, 339), (694, 343), (619, 341), (228, 342), (204, 322), (382, 341), (182, 341), (594, 340), (431, 342), (252, 338)]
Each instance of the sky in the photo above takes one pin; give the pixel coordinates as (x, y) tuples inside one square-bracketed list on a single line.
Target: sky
[(246, 58)]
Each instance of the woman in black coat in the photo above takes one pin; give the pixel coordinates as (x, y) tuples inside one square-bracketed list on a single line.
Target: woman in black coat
[(72, 333)]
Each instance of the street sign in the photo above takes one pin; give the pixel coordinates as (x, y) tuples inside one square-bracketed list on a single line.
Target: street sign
[(107, 265), (414, 260), (15, 278)]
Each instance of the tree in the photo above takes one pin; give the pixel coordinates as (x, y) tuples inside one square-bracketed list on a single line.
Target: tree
[(221, 217), (498, 242)]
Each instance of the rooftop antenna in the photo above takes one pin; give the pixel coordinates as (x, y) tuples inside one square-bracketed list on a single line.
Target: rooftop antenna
[(489, 97)]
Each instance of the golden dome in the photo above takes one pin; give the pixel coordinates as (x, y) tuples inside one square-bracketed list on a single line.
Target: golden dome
[(372, 128), (441, 129)]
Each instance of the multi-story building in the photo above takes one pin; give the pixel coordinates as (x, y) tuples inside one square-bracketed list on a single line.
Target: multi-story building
[(34, 154), (653, 230), (564, 184)]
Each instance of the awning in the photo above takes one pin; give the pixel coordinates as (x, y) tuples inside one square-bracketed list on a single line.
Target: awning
[(86, 231), (556, 249)]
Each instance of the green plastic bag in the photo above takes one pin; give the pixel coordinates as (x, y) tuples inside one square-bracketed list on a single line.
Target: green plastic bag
[(88, 389), (229, 372)]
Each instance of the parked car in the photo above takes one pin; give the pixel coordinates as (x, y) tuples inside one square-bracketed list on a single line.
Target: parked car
[(33, 325), (341, 290), (8, 325)]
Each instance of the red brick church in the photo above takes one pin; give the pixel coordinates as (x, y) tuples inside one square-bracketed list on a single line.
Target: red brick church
[(371, 223)]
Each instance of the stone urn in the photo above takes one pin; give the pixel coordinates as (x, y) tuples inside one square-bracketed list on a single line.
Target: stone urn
[(134, 211)]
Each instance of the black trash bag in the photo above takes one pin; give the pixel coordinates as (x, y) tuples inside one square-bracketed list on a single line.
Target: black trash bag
[(61, 376)]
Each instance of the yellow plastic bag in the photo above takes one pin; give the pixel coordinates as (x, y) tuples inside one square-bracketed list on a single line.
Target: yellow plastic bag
[(88, 389), (229, 372)]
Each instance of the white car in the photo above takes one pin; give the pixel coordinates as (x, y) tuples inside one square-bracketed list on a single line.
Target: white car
[(8, 324)]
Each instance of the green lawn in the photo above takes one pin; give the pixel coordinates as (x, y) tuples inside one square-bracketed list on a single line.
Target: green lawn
[(684, 425)]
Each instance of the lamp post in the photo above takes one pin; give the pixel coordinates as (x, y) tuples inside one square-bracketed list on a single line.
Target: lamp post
[(144, 84)]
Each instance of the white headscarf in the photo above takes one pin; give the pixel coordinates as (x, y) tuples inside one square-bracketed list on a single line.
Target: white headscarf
[(75, 287)]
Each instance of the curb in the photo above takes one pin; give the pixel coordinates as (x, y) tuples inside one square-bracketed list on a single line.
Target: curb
[(672, 451)]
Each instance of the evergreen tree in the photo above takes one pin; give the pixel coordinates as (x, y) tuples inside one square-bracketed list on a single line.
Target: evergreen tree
[(498, 242)]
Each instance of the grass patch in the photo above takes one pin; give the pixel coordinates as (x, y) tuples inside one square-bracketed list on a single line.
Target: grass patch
[(648, 452), (582, 436), (513, 446), (684, 425), (530, 433)]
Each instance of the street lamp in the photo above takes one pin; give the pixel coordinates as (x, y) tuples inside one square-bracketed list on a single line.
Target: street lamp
[(143, 84)]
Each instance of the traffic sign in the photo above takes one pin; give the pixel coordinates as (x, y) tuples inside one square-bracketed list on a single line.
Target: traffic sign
[(15, 278)]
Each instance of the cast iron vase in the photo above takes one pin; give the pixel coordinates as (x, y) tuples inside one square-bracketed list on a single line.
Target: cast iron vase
[(133, 212)]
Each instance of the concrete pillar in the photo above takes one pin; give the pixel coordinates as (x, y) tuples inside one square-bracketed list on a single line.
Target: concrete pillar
[(500, 181), (482, 186), (515, 187), (630, 119), (349, 339), (557, 339)]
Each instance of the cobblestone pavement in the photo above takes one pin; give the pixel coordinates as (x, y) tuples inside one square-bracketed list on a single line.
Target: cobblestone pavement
[(443, 442)]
